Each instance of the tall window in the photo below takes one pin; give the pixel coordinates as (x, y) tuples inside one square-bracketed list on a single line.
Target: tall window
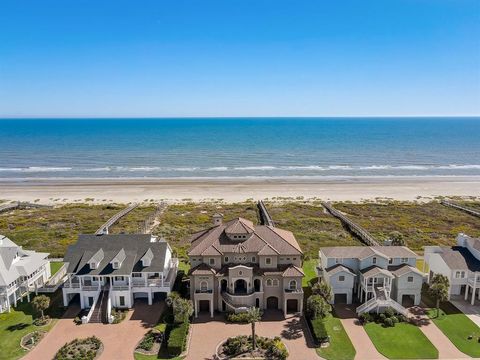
[(203, 286), (226, 259), (212, 261), (374, 260), (268, 261), (292, 285), (269, 282)]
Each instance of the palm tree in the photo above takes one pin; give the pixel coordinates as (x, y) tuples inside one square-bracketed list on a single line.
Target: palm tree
[(439, 289), (253, 315)]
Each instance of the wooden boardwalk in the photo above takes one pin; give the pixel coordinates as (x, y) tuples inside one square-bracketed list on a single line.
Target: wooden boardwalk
[(461, 208), (21, 205), (265, 218), (104, 228), (354, 228)]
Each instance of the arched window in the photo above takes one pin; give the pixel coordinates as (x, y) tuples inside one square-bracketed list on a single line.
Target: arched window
[(292, 285), (203, 286), (269, 282)]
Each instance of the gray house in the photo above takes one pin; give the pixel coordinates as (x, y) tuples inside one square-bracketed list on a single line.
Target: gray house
[(21, 272), (108, 271), (460, 264), (379, 276)]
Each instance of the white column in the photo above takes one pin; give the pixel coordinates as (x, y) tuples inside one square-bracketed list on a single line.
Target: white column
[(211, 308), (8, 302), (82, 301), (473, 294), (285, 307), (15, 298), (466, 291), (150, 298), (196, 308)]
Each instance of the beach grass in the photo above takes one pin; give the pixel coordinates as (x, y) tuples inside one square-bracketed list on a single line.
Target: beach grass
[(55, 266), (133, 221), (53, 229), (421, 223), (403, 341)]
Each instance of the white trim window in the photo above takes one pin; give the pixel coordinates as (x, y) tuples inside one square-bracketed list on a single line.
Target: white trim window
[(410, 279), (211, 261), (374, 260), (268, 282), (203, 285), (459, 274), (268, 261), (341, 278), (275, 283)]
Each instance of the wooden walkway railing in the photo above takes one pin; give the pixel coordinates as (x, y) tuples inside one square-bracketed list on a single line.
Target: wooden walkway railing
[(461, 207), (104, 228), (356, 229), (151, 221), (265, 218)]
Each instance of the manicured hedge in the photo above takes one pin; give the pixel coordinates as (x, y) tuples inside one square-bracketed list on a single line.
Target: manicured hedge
[(178, 339), (319, 331)]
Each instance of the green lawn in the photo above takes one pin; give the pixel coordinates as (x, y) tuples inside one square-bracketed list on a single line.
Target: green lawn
[(55, 266), (404, 341), (309, 270), (341, 347), (153, 357), (19, 322), (458, 327)]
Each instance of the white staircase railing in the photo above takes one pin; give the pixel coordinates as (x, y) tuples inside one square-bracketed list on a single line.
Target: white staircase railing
[(367, 306)]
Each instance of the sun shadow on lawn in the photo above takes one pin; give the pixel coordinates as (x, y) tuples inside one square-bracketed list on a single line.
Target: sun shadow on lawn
[(17, 327)]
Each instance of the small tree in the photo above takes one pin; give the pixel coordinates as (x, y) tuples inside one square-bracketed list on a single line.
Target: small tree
[(317, 307), (41, 303), (253, 316), (182, 308), (324, 290), (397, 238), (439, 289)]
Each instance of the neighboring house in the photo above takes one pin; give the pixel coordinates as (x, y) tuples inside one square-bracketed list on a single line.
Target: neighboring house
[(21, 271), (237, 265), (113, 270), (460, 264), (379, 276)]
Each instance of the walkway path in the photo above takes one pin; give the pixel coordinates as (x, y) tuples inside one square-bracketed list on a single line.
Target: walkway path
[(357, 334), (208, 333), (119, 340), (446, 350)]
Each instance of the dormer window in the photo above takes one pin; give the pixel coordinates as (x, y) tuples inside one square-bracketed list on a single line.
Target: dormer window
[(147, 258), (212, 261), (93, 265), (390, 261), (374, 260), (116, 265)]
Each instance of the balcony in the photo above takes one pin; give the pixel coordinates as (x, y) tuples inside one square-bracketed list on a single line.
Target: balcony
[(74, 285), (90, 287), (120, 287), (207, 291), (298, 291)]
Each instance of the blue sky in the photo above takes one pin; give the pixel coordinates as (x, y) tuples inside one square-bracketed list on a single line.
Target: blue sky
[(239, 58)]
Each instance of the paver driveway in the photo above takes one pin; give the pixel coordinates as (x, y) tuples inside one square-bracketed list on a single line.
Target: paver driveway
[(119, 340), (208, 333), (446, 350), (357, 334)]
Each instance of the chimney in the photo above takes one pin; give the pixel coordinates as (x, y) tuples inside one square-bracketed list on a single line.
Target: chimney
[(217, 219)]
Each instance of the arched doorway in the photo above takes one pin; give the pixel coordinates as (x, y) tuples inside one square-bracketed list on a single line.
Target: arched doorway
[(224, 284), (256, 285), (272, 302), (240, 286)]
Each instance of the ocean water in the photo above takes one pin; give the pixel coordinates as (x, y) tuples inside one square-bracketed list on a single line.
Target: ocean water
[(239, 148)]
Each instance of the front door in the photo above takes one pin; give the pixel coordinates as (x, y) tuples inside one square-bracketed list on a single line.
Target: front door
[(272, 302), (90, 301)]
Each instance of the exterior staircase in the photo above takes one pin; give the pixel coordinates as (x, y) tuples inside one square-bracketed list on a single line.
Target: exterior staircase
[(381, 300), (99, 314), (236, 308)]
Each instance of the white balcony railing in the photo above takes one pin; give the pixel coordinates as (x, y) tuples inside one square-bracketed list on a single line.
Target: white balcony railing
[(120, 287), (72, 285), (90, 287)]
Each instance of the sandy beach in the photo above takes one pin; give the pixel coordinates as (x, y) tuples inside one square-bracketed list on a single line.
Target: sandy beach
[(123, 190)]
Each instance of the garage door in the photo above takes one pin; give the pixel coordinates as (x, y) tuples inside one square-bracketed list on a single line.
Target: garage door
[(292, 306), (340, 299), (204, 305), (140, 295), (408, 300), (272, 302)]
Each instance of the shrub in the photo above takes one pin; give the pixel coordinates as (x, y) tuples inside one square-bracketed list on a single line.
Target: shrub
[(394, 319), (319, 330), (178, 339), (388, 322), (389, 312), (237, 318), (237, 345), (118, 315), (317, 307), (277, 350), (365, 318)]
